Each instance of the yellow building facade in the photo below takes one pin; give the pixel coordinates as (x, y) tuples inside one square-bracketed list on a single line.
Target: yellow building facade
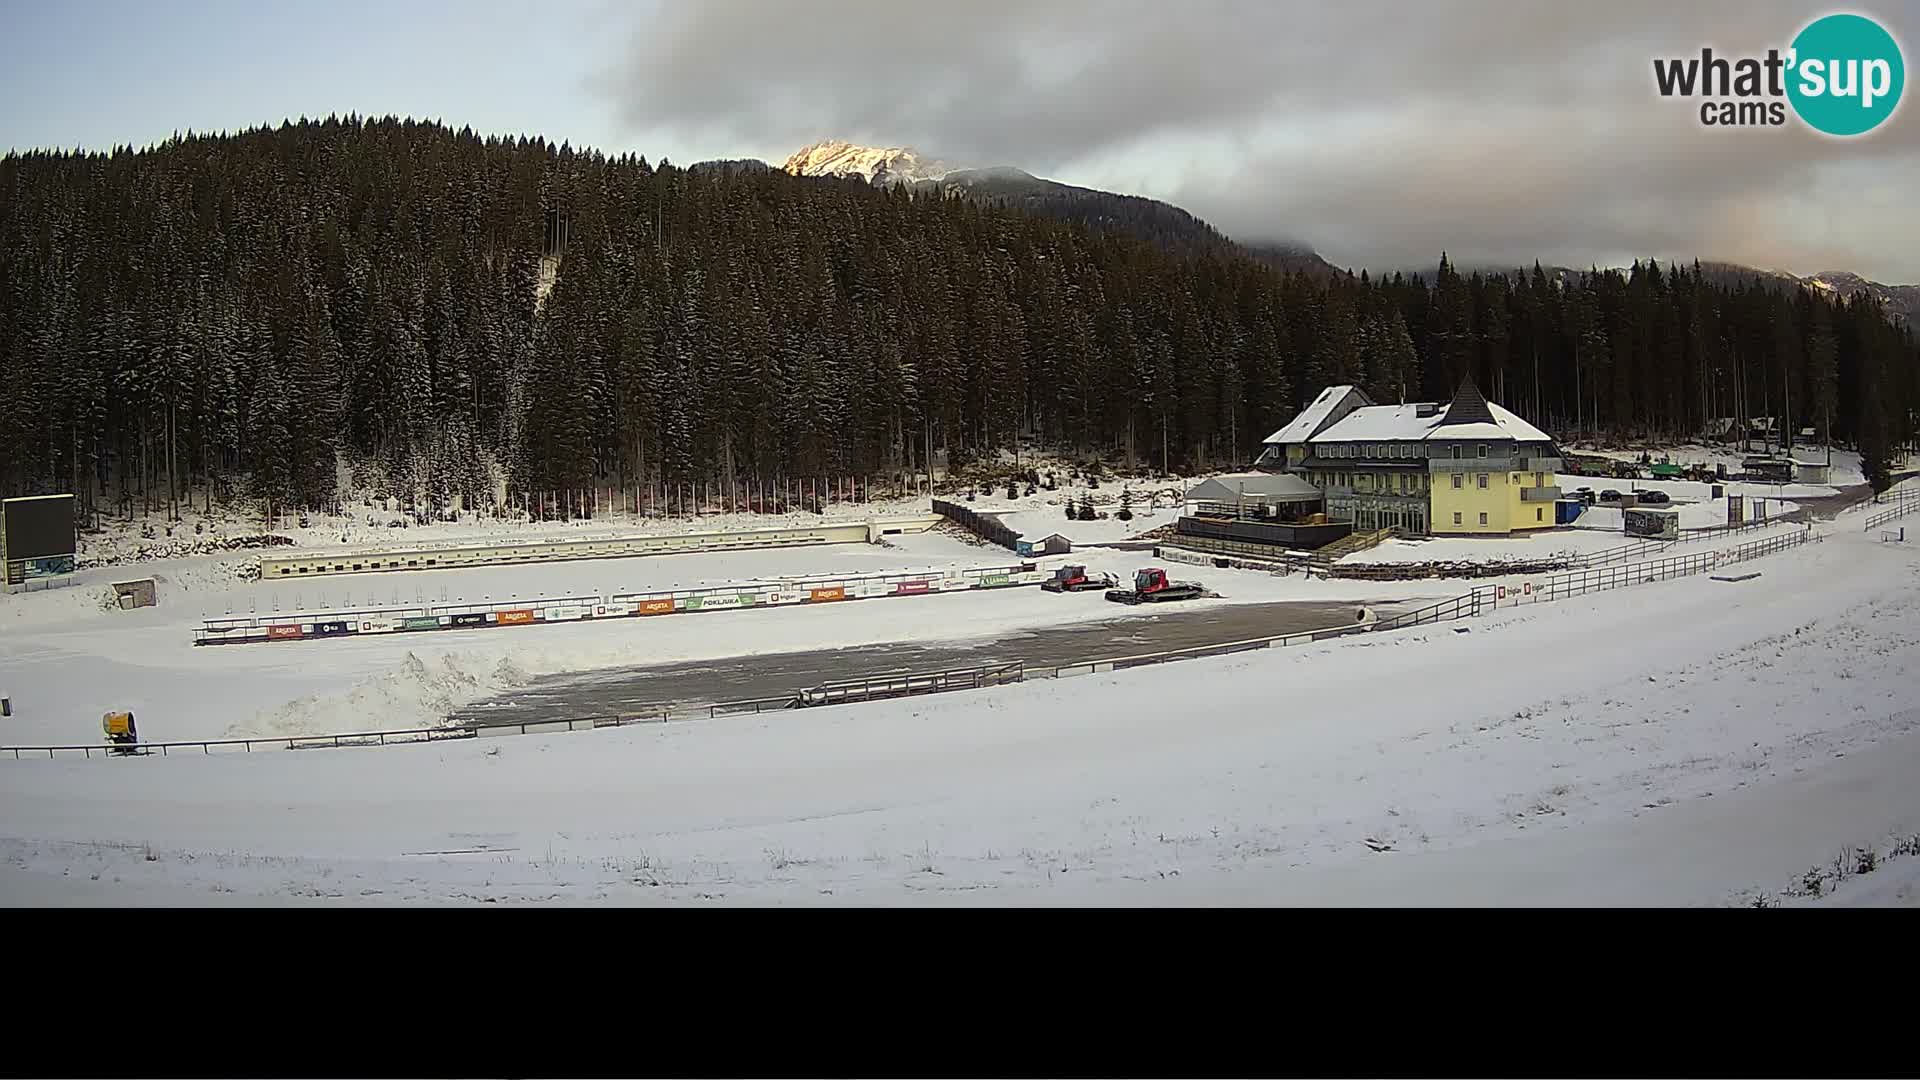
[(1465, 468)]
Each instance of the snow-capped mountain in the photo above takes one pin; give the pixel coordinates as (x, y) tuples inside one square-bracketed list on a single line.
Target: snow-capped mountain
[(876, 165), (1150, 219), (1900, 300)]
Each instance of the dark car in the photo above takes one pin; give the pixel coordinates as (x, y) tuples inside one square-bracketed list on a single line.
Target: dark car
[(1656, 498), (1609, 495)]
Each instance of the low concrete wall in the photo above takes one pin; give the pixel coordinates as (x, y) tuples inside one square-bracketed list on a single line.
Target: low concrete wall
[(320, 564)]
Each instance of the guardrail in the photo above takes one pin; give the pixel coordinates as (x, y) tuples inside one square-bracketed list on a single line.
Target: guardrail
[(1906, 507), (833, 693), (882, 687), (1601, 579), (1901, 494), (287, 742)]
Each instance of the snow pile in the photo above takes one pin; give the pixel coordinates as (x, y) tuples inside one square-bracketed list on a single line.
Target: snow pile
[(416, 694)]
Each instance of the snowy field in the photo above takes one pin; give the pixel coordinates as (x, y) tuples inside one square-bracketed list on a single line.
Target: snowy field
[(66, 656), (1691, 742)]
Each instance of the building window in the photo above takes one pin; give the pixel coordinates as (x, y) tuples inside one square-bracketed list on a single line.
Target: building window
[(1483, 518), (1539, 479), (1456, 452), (1483, 450), (1456, 479), (1456, 517), (1516, 479), (1539, 514), (1483, 479)]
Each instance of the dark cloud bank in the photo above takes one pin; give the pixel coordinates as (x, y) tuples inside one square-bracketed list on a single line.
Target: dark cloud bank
[(1380, 132)]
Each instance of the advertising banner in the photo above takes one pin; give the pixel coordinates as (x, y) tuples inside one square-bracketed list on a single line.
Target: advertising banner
[(835, 592), (655, 607), (509, 618), (276, 633)]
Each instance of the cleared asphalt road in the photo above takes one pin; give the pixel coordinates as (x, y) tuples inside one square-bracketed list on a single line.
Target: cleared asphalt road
[(694, 683)]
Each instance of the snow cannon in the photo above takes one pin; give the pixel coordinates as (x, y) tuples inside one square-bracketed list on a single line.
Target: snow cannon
[(120, 731)]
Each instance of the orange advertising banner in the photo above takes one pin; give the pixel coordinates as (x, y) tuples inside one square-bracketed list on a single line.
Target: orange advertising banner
[(655, 607), (283, 632), (521, 616), (837, 592)]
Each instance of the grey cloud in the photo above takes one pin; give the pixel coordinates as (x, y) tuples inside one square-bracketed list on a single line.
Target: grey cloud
[(1379, 131)]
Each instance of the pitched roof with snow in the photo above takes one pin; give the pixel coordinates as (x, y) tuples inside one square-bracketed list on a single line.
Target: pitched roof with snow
[(1314, 416), (1476, 418), (1380, 423), (1266, 487)]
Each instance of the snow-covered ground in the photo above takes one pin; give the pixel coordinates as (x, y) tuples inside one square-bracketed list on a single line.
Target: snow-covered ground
[(1551, 544), (1707, 514), (1846, 463), (120, 541), (67, 655), (1671, 743)]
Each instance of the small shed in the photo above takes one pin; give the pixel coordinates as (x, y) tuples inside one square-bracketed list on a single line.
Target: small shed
[(1652, 523), (1811, 472), (1054, 544), (1768, 470), (134, 594)]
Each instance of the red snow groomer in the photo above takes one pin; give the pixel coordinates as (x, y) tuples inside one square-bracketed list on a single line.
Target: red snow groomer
[(1151, 586), (1076, 579)]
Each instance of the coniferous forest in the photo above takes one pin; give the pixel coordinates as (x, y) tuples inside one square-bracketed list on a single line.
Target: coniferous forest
[(232, 312)]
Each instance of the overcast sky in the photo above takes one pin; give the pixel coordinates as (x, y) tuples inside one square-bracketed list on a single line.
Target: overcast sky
[(1378, 131)]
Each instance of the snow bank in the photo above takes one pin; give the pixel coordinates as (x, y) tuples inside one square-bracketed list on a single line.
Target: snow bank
[(416, 694)]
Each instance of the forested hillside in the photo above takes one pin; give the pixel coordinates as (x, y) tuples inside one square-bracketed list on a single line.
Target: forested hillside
[(236, 309)]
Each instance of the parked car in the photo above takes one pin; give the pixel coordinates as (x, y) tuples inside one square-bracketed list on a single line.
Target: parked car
[(1655, 498), (1609, 495)]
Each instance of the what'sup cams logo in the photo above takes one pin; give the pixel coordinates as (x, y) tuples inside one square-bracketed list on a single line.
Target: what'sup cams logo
[(1843, 76)]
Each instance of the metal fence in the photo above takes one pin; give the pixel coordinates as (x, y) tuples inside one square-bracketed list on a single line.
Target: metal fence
[(285, 742), (984, 527), (1600, 579), (1900, 508), (882, 687)]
